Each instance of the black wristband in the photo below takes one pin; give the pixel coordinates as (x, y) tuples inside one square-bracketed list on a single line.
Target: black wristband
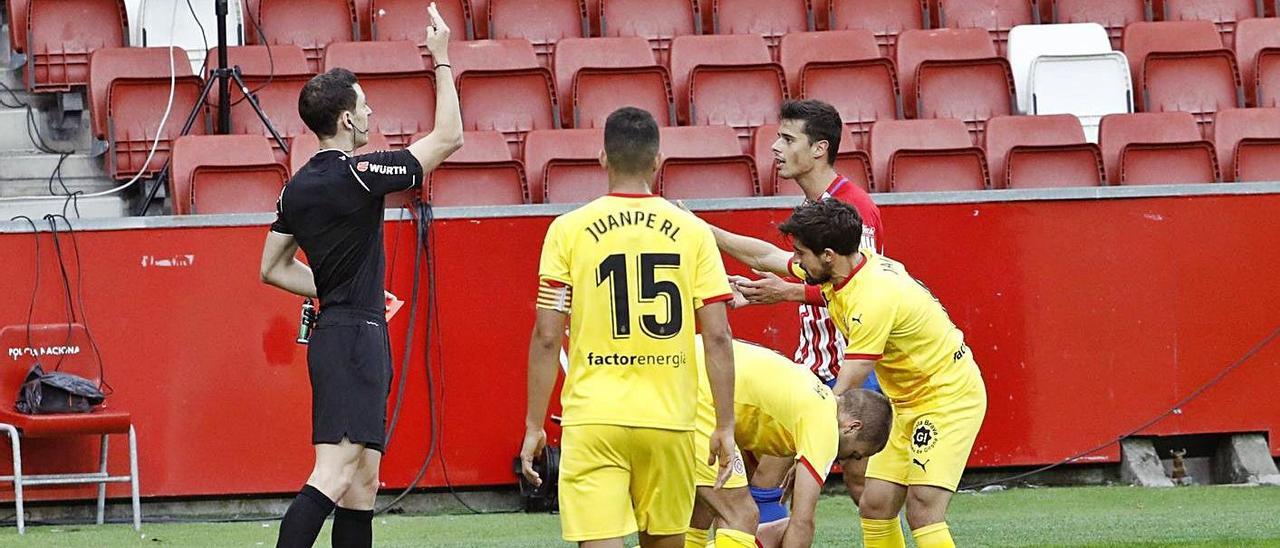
[(445, 65)]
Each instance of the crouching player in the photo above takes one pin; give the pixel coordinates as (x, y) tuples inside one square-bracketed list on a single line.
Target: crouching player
[(782, 410)]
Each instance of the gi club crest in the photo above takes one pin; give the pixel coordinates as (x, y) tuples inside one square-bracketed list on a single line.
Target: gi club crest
[(924, 436)]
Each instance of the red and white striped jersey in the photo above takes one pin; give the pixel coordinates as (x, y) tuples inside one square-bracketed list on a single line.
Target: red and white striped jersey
[(821, 345)]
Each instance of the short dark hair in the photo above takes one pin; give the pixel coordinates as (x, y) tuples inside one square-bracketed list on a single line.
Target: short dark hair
[(825, 224), (324, 97), (821, 123), (875, 412), (631, 140)]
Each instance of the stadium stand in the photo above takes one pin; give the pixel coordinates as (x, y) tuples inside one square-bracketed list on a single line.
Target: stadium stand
[(58, 50), (1257, 47), (502, 87), (395, 20), (194, 29), (1248, 144), (1115, 15), (542, 23), (885, 18), (954, 73), (926, 155), (705, 162), (129, 87), (309, 24), (1156, 148), (396, 86), (595, 76), (1224, 14), (1041, 151), (769, 18), (224, 174), (1182, 66), (997, 16), (482, 172), (563, 166), (726, 80), (276, 79), (844, 69), (658, 21)]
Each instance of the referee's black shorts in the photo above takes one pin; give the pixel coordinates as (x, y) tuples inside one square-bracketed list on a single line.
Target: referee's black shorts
[(349, 359)]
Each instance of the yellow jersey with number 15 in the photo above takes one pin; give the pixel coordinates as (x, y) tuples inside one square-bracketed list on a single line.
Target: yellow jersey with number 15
[(630, 270), (891, 318)]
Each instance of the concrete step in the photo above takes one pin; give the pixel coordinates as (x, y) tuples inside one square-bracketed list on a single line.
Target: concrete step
[(14, 134), (18, 166), (105, 206)]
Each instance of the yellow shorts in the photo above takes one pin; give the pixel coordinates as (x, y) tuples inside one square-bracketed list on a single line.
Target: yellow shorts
[(615, 480), (930, 444), (703, 474)]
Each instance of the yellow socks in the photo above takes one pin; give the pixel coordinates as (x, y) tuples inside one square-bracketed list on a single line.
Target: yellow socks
[(729, 538), (885, 533), (695, 538), (936, 535)]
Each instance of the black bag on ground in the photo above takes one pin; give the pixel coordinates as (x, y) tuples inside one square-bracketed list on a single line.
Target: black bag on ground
[(57, 392)]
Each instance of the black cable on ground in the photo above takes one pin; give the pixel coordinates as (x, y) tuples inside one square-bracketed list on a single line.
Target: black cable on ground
[(1176, 408)]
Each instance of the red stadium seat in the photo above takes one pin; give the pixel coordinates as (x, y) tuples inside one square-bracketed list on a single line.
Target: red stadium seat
[(705, 162), (852, 163), (1115, 15), (997, 16), (596, 76), (62, 34), (240, 188), (843, 68), (1156, 148), (1257, 42), (17, 10), (304, 146), (134, 110), (255, 61), (309, 24), (658, 21), (1248, 144), (395, 20), (480, 173), (1224, 14), (886, 18), (502, 87), (542, 23), (926, 155), (1041, 151), (563, 166), (954, 73), (220, 152), (770, 18), (107, 64), (1182, 66), (399, 90), (726, 80)]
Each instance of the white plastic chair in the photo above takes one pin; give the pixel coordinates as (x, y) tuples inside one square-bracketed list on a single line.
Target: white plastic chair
[(1027, 42), (1088, 86)]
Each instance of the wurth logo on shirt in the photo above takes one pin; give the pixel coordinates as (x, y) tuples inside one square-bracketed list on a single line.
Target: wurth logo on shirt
[(382, 169)]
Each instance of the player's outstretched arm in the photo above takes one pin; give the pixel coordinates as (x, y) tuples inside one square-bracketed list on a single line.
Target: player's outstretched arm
[(446, 136), (544, 359), (804, 505), (717, 343), (281, 268), (853, 373), (755, 253)]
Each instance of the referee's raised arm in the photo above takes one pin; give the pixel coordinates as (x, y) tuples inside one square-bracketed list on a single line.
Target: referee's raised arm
[(446, 135)]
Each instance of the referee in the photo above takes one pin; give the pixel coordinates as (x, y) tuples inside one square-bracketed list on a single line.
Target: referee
[(332, 208)]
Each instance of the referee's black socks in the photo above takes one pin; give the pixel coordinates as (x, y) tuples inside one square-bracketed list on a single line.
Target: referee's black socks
[(352, 528), (301, 524)]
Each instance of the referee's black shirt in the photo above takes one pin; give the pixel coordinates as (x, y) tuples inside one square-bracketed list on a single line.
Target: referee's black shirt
[(333, 207)]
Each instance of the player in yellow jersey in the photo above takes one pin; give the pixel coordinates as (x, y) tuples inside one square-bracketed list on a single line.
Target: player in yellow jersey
[(894, 326), (632, 272), (782, 410)]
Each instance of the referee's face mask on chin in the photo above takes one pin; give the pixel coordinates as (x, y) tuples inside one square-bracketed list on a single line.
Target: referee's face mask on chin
[(357, 121)]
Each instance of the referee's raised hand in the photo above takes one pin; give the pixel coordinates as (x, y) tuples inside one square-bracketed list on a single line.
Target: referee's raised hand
[(437, 36)]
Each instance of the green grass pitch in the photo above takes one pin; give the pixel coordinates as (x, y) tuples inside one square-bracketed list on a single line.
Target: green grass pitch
[(1083, 516)]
